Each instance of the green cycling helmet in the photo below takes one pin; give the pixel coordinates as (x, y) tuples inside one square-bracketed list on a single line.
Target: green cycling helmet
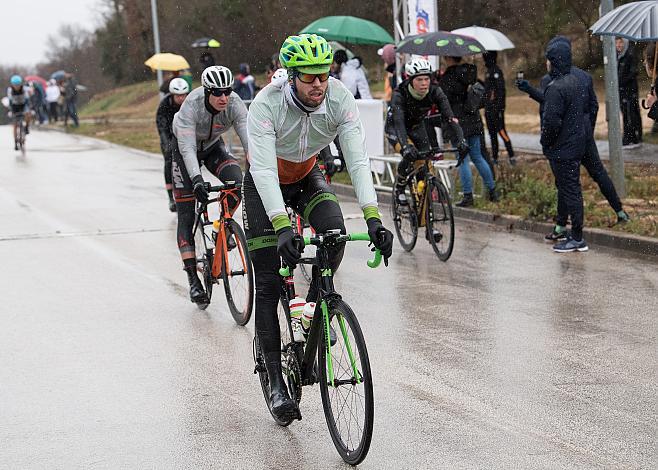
[(307, 53)]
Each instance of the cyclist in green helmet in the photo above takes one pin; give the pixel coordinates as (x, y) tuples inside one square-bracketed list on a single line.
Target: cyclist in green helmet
[(289, 123)]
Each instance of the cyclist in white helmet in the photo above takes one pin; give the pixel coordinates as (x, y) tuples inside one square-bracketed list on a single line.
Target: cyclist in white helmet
[(405, 127), (207, 113), (164, 118)]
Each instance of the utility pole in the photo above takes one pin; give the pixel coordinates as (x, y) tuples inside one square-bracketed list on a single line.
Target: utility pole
[(156, 35), (612, 106)]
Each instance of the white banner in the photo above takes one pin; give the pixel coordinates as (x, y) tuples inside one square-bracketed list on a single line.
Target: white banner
[(423, 19)]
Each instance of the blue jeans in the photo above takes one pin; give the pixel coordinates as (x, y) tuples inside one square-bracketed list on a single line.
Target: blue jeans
[(480, 163)]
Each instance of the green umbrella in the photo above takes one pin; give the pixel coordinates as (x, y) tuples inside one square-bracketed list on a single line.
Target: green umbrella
[(349, 29)]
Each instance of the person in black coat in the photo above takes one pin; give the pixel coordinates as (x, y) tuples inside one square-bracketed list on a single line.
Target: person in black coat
[(494, 106), (591, 159), (651, 101), (563, 136), (628, 93), (164, 117), (465, 93)]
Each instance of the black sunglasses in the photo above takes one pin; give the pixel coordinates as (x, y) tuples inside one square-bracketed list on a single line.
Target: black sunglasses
[(221, 91)]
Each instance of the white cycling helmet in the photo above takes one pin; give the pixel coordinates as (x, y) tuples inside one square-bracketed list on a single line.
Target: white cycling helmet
[(217, 76), (179, 86), (418, 66)]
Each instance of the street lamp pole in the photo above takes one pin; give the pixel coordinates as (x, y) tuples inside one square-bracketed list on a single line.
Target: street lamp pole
[(612, 106), (156, 35)]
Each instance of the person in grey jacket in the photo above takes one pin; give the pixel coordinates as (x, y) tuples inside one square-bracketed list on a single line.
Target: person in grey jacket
[(352, 75), (207, 113)]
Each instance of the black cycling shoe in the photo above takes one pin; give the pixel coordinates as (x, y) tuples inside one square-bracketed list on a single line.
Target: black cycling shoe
[(283, 407), (556, 236), (197, 294)]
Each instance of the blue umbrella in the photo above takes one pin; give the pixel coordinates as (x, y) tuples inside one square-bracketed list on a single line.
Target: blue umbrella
[(58, 75)]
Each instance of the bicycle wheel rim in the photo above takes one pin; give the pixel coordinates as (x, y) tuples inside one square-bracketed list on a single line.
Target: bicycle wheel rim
[(405, 220), (440, 219), (239, 282), (348, 408)]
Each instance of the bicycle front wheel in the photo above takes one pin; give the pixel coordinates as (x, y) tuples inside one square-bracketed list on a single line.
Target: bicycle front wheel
[(440, 220), (347, 400), (239, 277), (405, 219), (204, 256)]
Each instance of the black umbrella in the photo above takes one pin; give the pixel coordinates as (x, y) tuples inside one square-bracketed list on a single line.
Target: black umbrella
[(440, 43), (205, 42)]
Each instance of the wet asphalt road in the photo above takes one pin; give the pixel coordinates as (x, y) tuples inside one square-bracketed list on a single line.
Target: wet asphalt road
[(508, 356)]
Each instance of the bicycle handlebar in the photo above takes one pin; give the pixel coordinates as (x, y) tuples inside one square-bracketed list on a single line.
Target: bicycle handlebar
[(319, 239)]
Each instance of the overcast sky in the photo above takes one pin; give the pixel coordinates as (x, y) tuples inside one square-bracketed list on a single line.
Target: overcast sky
[(27, 25)]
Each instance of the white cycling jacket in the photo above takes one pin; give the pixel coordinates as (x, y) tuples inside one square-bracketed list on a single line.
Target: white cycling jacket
[(283, 138)]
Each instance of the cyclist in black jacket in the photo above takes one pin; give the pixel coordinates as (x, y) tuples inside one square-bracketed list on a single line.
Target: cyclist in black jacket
[(405, 127), (169, 106)]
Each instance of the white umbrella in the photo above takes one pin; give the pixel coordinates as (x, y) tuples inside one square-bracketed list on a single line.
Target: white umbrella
[(637, 21), (491, 39)]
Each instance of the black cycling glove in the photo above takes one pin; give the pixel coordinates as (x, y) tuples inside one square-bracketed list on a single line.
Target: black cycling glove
[(409, 152), (200, 191), (462, 150), (381, 237), (289, 246)]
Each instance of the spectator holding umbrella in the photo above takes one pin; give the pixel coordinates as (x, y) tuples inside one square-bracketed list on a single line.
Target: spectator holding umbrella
[(628, 93)]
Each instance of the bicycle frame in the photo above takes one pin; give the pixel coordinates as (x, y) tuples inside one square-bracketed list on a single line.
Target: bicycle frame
[(306, 354), (220, 261)]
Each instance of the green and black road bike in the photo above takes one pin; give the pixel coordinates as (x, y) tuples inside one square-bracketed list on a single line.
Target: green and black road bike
[(335, 339)]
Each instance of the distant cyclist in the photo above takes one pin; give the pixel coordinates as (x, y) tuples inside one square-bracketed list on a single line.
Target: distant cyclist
[(164, 119), (289, 124), (406, 129), (19, 105), (207, 113)]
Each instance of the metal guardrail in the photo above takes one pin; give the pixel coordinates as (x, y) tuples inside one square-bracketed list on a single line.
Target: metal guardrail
[(384, 181)]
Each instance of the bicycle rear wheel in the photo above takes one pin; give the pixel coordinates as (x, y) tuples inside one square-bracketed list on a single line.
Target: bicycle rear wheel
[(440, 220), (348, 401), (239, 279), (405, 219)]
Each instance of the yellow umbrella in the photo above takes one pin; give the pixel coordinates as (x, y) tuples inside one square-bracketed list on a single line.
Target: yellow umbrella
[(167, 61)]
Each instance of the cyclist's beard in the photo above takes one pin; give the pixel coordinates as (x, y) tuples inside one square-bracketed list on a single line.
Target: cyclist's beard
[(314, 98)]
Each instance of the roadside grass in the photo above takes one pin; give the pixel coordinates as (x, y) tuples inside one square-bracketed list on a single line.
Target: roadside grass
[(528, 190)]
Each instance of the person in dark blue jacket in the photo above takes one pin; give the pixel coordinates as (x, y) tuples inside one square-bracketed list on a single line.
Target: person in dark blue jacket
[(591, 159), (563, 136)]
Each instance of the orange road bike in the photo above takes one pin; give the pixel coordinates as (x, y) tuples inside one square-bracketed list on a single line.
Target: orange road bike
[(221, 253)]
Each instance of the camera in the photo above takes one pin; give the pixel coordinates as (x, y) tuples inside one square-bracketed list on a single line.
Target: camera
[(519, 75)]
